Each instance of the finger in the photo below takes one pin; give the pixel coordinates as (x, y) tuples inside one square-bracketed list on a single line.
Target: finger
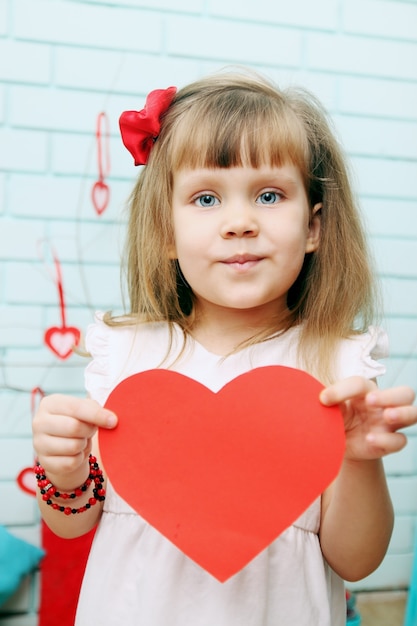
[(395, 396), (83, 409), (386, 443), (62, 446), (346, 389), (401, 417), (66, 426)]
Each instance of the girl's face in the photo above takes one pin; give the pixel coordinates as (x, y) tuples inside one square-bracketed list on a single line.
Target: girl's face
[(241, 235)]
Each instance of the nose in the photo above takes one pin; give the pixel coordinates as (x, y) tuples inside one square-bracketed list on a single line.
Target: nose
[(239, 221)]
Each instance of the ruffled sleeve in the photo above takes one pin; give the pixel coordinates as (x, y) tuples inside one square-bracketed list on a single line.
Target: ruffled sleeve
[(97, 373), (360, 354)]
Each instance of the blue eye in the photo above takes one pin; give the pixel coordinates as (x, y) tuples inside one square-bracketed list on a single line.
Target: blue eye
[(269, 197), (206, 200)]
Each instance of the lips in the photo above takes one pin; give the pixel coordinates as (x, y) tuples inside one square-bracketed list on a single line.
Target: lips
[(242, 261)]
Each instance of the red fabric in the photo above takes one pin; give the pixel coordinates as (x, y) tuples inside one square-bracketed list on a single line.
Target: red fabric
[(139, 129), (62, 570)]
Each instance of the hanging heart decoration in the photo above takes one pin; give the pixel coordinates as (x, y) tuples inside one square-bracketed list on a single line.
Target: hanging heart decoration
[(61, 340), (100, 195), (222, 475), (26, 479)]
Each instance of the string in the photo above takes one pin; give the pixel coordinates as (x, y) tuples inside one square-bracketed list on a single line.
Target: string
[(103, 172), (60, 290)]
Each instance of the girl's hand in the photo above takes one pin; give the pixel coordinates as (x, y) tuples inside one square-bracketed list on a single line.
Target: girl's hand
[(372, 416), (63, 428)]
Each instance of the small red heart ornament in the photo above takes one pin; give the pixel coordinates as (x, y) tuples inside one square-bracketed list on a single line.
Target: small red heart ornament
[(62, 340), (100, 196), (222, 475)]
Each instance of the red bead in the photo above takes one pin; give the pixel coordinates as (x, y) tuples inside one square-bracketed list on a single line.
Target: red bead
[(50, 491)]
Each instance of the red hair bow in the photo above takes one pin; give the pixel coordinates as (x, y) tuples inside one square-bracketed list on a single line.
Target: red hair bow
[(140, 129)]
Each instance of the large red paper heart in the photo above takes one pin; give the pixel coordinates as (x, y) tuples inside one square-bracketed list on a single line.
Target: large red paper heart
[(62, 340), (221, 475)]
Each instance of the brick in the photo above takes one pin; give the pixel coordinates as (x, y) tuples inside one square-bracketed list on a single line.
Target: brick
[(393, 217), (235, 41), (17, 324), (2, 104), (39, 287), (378, 97), (386, 177), (322, 15), (22, 508), (2, 192), (128, 73), (402, 371), (102, 27), (362, 55), (400, 296), (33, 158), (374, 18), (46, 370), (15, 411), (403, 491), (378, 137), (4, 16), (188, 6), (98, 242), (64, 197), (402, 541), (402, 333), (17, 454), (37, 71), (403, 462), (76, 154), (102, 283), (396, 257), (54, 110), (18, 238), (324, 86)]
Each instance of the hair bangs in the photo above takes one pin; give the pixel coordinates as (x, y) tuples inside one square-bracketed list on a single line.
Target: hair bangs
[(246, 129)]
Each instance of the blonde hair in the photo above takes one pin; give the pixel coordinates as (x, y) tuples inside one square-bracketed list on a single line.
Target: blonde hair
[(229, 120)]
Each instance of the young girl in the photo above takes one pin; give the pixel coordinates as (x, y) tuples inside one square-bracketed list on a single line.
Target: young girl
[(244, 249)]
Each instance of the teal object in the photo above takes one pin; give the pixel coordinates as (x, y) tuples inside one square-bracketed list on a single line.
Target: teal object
[(17, 559), (410, 618)]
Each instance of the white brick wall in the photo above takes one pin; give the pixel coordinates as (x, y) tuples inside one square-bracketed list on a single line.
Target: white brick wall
[(62, 62)]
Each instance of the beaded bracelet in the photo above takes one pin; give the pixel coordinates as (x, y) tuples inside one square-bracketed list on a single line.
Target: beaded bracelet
[(48, 490)]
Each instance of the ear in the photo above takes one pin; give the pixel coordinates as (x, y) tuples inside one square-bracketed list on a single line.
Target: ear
[(313, 237)]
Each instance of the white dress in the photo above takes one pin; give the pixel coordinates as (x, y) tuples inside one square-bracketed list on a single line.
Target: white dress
[(136, 577)]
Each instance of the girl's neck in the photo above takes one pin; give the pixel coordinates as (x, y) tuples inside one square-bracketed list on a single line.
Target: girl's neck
[(223, 332)]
